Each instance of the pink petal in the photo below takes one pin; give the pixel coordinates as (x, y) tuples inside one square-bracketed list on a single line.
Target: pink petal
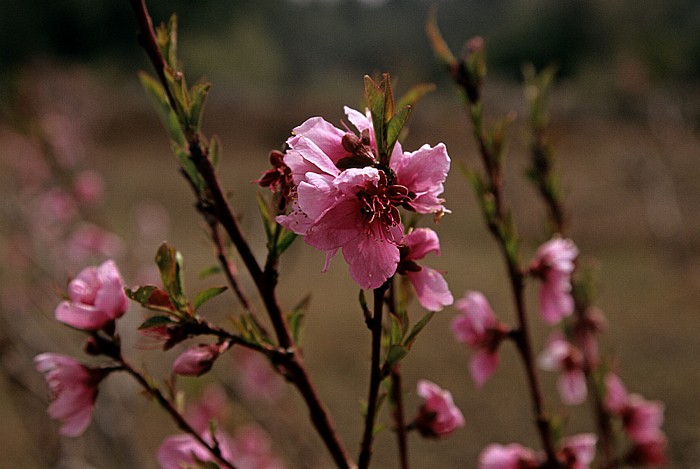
[(572, 387), (482, 365), (80, 316), (340, 225), (471, 327), (432, 290), (371, 261), (421, 242), (325, 136), (616, 396), (424, 172)]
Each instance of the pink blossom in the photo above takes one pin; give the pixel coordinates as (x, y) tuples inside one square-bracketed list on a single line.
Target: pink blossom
[(250, 448), (578, 451), (649, 453), (211, 405), (431, 288), (616, 395), (184, 450), (554, 263), (256, 378), (96, 298), (643, 419), (344, 200), (196, 360), (512, 456), (560, 355), (88, 187), (73, 389), (478, 328), (438, 416)]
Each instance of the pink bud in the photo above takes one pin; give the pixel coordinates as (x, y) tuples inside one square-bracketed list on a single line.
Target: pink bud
[(438, 416), (88, 187), (197, 360), (579, 451), (96, 298)]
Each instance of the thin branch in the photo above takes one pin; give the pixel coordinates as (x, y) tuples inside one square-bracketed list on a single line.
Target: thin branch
[(375, 378), (265, 281), (398, 414)]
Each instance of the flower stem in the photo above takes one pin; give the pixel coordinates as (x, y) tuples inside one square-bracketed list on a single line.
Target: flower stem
[(398, 414), (375, 378)]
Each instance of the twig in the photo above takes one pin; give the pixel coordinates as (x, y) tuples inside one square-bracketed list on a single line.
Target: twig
[(398, 414), (375, 378)]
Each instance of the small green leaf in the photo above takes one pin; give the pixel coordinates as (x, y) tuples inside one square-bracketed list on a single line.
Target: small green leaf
[(296, 317), (206, 295), (214, 151), (141, 294), (412, 96), (198, 95), (157, 94), (156, 321), (376, 103), (285, 240), (408, 343), (394, 127), (187, 165), (267, 220), (395, 354), (209, 271), (440, 47), (169, 262)]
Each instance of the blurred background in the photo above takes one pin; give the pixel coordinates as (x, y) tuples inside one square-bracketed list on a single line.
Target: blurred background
[(86, 173)]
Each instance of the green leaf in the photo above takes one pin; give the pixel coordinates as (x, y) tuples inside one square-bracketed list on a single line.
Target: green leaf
[(408, 343), (215, 151), (166, 35), (206, 295), (187, 165), (376, 102), (412, 96), (396, 330), (160, 99), (209, 271), (268, 223), (155, 321), (285, 240), (396, 354), (394, 127), (296, 317), (141, 294), (169, 262), (198, 95), (440, 47)]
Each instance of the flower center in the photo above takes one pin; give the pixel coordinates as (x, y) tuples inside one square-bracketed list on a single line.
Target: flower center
[(381, 202)]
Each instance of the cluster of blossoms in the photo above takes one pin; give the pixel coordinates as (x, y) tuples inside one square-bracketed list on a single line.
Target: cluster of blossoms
[(641, 420), (96, 299), (344, 199), (575, 452)]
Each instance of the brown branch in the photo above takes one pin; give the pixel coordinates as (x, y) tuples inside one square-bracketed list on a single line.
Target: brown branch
[(265, 281), (375, 378)]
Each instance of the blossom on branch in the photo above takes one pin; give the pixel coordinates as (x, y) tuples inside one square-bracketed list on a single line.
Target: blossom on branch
[(346, 200), (560, 355), (73, 389), (478, 328), (197, 360), (431, 288), (96, 298), (512, 456), (438, 416), (578, 451), (554, 263)]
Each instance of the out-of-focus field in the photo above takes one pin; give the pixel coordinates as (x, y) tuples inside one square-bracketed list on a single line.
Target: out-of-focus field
[(632, 185)]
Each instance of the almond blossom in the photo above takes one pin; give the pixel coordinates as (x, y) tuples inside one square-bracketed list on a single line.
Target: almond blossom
[(512, 456), (554, 263), (438, 416), (346, 200), (578, 451), (560, 355), (478, 328), (96, 298), (73, 389), (431, 288)]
